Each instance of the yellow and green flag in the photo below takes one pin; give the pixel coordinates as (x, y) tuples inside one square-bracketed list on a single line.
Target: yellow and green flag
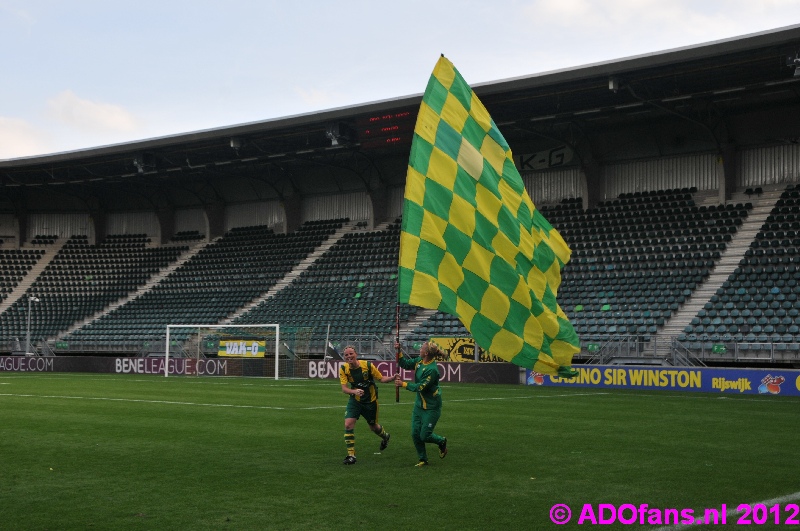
[(472, 243)]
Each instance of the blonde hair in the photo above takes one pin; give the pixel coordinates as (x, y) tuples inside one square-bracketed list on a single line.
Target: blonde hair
[(431, 348)]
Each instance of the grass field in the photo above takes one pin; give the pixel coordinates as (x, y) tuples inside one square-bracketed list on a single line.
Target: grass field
[(81, 451)]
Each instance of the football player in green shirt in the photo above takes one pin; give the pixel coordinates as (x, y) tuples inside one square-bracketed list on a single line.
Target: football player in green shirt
[(428, 405), (358, 380)]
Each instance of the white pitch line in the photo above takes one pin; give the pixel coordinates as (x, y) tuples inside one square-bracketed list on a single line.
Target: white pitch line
[(732, 512), (170, 402), (338, 406)]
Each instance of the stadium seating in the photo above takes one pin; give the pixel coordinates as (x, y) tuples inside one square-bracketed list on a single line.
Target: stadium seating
[(758, 304), (440, 324), (83, 279), (41, 239), (187, 236), (635, 260), (352, 287), (220, 279), (14, 265)]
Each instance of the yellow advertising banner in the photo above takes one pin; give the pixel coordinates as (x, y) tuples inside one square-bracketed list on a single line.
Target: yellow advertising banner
[(456, 348), (462, 349), (241, 348)]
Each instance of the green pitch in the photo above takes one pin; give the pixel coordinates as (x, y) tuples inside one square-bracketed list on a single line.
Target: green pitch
[(81, 451)]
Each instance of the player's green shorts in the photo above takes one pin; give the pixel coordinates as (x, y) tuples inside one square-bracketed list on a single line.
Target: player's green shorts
[(356, 409)]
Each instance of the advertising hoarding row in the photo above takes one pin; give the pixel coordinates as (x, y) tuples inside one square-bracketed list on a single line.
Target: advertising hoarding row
[(784, 382), (774, 382)]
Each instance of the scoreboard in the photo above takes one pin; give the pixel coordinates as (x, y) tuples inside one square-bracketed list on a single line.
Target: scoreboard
[(386, 130)]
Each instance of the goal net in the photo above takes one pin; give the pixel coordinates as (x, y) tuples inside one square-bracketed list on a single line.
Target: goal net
[(227, 350)]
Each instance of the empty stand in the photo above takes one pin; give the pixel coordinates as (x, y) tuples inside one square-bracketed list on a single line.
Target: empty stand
[(221, 278), (14, 265), (188, 236), (83, 279), (352, 287), (635, 260), (757, 308), (41, 239)]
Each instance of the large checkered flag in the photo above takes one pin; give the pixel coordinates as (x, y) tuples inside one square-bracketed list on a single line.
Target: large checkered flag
[(472, 242)]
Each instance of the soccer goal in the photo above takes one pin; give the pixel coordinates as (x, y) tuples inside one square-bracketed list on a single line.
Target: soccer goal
[(224, 350)]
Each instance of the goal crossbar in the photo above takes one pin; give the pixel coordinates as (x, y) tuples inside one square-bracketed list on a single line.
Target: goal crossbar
[(200, 327)]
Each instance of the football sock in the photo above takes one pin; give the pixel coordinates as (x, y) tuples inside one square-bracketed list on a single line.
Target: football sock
[(350, 441)]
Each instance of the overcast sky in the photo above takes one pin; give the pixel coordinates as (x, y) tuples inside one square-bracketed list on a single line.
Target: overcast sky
[(81, 73)]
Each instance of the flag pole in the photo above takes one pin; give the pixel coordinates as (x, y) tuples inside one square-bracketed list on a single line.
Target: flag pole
[(397, 349)]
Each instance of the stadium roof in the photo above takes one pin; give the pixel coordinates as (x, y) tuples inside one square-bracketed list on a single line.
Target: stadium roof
[(708, 88)]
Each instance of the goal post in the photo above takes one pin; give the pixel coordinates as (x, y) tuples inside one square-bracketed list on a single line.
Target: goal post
[(238, 340)]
